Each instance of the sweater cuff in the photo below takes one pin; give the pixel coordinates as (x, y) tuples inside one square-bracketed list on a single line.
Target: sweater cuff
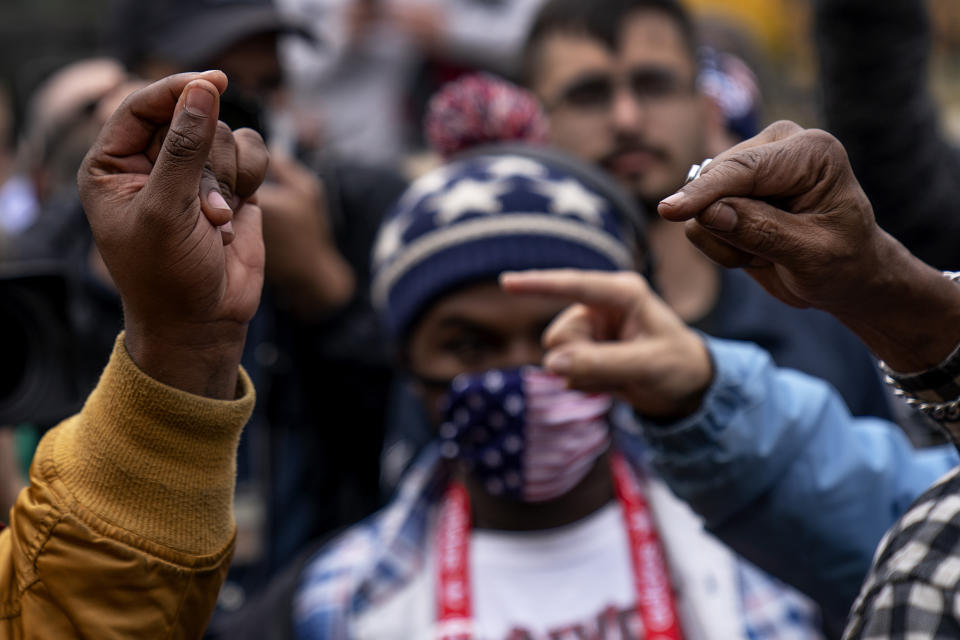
[(151, 459)]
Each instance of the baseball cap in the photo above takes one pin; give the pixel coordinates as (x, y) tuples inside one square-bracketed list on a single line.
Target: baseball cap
[(192, 32)]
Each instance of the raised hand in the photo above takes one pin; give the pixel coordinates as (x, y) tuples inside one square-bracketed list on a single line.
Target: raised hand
[(169, 193), (618, 337), (786, 207)]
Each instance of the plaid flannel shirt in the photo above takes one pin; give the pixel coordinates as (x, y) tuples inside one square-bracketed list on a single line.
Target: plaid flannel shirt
[(376, 558), (913, 589)]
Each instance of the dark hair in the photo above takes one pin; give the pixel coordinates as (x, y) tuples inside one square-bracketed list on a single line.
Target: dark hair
[(601, 20)]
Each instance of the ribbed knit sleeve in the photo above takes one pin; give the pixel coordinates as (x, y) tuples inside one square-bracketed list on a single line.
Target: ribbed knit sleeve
[(153, 460)]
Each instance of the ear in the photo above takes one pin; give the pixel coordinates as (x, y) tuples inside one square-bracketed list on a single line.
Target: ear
[(717, 138)]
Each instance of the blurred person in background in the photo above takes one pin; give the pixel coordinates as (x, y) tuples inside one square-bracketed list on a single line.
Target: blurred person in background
[(621, 84), (357, 87), (487, 532), (7, 151), (56, 340), (511, 523), (60, 126), (874, 61), (475, 110)]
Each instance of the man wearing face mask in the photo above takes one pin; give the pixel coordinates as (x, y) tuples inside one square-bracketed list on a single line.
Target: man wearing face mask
[(531, 514)]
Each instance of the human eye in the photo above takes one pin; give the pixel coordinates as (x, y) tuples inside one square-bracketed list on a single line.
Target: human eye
[(589, 92), (472, 349), (654, 84)]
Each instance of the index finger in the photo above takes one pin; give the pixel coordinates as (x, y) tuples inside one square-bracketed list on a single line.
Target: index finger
[(608, 289), (135, 123)]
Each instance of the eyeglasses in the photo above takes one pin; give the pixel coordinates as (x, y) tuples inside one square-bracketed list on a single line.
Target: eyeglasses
[(596, 91)]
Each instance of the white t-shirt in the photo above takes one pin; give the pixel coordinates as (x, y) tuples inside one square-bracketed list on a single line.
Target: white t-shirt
[(571, 582)]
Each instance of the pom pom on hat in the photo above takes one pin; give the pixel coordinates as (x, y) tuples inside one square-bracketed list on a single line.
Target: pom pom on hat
[(479, 109)]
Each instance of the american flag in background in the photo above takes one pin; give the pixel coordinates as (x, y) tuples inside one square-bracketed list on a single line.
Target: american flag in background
[(522, 433)]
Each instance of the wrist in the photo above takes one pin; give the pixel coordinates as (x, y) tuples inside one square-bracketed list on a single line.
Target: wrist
[(201, 359), (906, 312)]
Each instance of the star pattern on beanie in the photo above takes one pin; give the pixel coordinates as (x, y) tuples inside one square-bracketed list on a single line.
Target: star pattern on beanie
[(571, 198), (477, 217), (469, 196), (511, 166)]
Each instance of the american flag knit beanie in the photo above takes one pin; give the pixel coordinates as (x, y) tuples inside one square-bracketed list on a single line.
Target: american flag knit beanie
[(498, 209)]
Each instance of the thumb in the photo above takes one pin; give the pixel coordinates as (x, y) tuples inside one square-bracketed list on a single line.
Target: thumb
[(175, 177)]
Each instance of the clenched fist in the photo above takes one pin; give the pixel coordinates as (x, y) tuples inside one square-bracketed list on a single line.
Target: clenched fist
[(170, 195)]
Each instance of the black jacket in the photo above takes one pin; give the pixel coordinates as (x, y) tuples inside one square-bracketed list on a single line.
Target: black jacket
[(873, 64)]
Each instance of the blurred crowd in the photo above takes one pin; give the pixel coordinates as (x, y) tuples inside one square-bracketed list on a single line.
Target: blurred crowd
[(385, 121)]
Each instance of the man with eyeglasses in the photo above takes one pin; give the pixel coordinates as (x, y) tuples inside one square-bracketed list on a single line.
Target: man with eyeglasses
[(619, 82)]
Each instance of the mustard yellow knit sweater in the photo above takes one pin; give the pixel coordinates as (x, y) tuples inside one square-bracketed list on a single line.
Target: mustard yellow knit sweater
[(126, 529)]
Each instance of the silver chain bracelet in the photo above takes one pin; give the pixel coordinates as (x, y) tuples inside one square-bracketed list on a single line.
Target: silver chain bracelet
[(948, 411)]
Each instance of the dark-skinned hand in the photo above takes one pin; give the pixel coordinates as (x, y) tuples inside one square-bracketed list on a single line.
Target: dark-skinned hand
[(786, 206), (170, 195)]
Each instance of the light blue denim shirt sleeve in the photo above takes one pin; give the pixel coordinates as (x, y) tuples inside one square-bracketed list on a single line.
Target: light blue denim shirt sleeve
[(784, 475)]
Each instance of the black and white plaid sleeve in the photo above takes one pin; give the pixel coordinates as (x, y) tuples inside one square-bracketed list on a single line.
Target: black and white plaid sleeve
[(912, 590)]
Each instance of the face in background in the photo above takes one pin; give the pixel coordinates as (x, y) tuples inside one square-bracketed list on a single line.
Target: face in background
[(636, 112), (473, 329), (252, 65)]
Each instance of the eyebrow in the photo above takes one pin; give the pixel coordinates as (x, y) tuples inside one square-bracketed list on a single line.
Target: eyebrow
[(459, 322)]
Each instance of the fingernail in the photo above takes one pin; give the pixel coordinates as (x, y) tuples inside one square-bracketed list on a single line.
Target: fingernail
[(720, 217), (215, 200), (559, 363), (673, 200), (226, 231), (199, 101)]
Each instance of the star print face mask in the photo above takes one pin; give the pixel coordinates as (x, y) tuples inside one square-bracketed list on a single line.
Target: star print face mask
[(522, 433)]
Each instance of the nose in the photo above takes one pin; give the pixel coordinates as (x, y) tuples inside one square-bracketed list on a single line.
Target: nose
[(627, 111), (523, 352)]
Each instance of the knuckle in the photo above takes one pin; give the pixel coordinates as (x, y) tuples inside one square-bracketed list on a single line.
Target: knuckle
[(764, 234), (183, 143), (784, 128), (250, 136), (825, 142)]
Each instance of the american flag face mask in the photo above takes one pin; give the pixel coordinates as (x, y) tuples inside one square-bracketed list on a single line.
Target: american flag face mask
[(522, 433)]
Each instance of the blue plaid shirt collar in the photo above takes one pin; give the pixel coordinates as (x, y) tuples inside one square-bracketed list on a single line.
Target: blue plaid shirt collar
[(377, 557)]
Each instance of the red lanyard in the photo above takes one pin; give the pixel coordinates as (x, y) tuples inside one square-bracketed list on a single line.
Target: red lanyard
[(655, 598)]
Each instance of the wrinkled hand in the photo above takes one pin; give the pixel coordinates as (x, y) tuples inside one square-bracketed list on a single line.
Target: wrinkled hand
[(169, 194), (620, 338), (303, 261), (786, 206)]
